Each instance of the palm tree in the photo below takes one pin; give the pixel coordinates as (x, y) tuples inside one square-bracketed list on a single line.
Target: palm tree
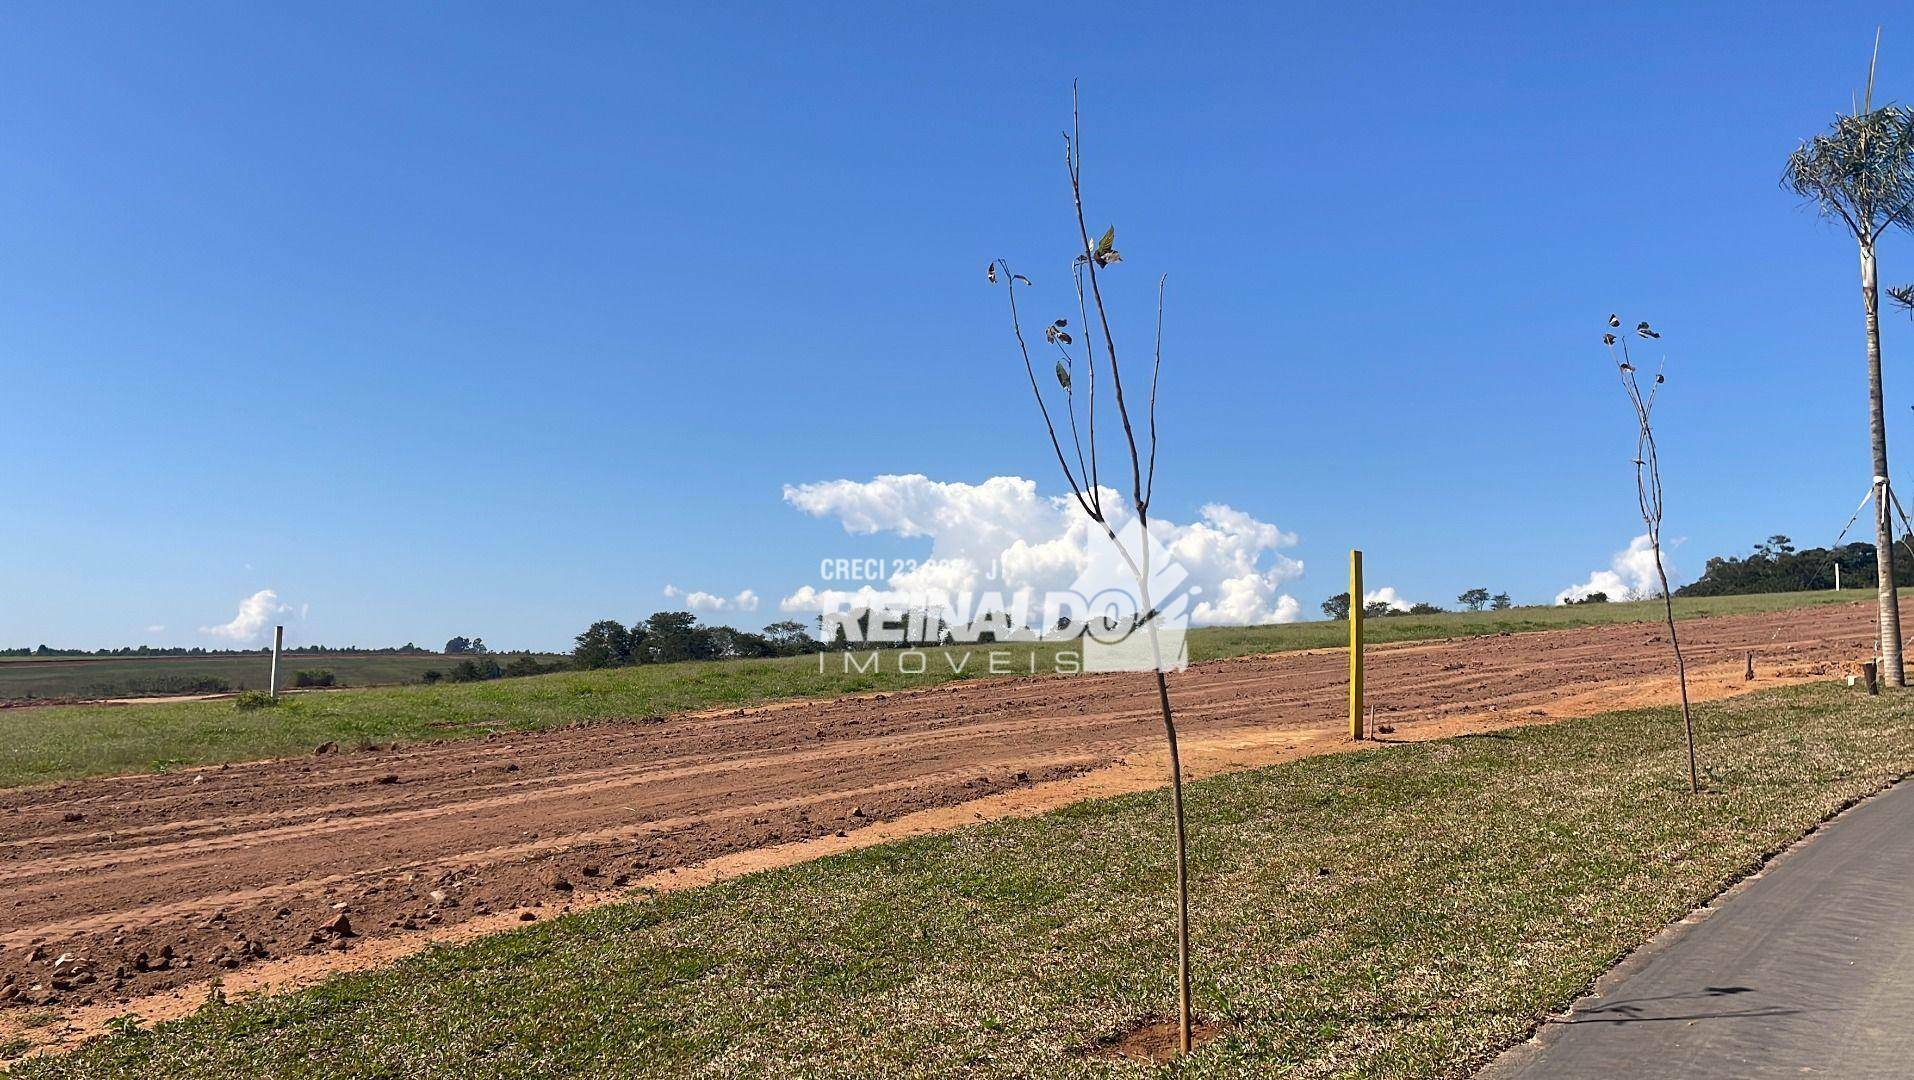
[(1861, 172)]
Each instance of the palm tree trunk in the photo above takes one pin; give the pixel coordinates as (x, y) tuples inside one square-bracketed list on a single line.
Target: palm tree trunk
[(1890, 609)]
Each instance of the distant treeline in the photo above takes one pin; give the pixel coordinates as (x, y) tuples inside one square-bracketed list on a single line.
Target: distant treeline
[(1775, 566), (666, 637), (670, 636), (408, 649), (483, 668)]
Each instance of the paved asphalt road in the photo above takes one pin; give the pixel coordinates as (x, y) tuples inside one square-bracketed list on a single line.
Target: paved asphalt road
[(1807, 970)]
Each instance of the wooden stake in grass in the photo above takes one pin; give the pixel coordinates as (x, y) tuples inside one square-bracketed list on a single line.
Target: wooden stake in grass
[(1099, 351), (1648, 495)]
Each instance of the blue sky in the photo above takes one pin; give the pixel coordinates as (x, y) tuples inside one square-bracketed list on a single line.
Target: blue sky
[(476, 319)]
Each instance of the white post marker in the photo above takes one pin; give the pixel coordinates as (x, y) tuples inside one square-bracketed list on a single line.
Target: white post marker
[(1837, 577), (278, 642)]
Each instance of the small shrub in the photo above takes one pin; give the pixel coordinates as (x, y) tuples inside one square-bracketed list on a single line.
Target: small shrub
[(522, 666), (476, 671), (158, 686), (254, 699), (314, 677)]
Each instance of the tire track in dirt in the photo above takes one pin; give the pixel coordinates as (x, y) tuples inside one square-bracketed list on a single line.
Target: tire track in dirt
[(167, 881)]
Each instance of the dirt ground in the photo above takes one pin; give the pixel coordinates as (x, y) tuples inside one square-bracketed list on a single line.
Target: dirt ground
[(131, 894)]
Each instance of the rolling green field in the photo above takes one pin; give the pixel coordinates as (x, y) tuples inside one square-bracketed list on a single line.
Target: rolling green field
[(1396, 912), (58, 742), (25, 678)]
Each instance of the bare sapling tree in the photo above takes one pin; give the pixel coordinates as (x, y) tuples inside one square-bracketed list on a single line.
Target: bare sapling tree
[(1095, 358), (1860, 172), (1648, 496)]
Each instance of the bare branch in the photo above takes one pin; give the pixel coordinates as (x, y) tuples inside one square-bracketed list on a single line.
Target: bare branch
[(1089, 344), (1156, 372), (1103, 316), (1016, 327)]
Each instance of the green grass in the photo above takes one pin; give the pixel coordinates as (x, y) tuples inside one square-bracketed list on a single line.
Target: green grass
[(1237, 641), (54, 743), (23, 678), (1396, 912)]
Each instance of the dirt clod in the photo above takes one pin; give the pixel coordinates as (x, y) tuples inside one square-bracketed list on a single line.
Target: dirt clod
[(1155, 1040)]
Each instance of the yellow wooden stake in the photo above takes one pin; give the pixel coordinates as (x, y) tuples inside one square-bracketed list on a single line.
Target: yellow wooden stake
[(1355, 645)]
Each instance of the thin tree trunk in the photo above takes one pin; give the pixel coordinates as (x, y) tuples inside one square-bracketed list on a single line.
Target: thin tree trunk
[(1176, 802), (1681, 673), (1182, 863), (1890, 609)]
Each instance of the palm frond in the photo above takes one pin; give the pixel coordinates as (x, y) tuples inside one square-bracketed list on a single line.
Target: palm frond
[(1861, 170)]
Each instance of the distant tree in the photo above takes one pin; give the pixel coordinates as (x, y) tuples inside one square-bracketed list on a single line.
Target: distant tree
[(1376, 609), (1775, 547), (1770, 570), (1860, 172), (469, 670), (672, 636), (521, 666), (1500, 602), (605, 643), (458, 645), (1337, 606), (790, 637), (727, 642), (1473, 599), (1592, 598), (1420, 609)]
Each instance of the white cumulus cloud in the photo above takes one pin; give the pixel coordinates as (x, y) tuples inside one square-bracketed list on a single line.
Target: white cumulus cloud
[(1387, 595), (1002, 535), (699, 600), (255, 615), (1630, 576)]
